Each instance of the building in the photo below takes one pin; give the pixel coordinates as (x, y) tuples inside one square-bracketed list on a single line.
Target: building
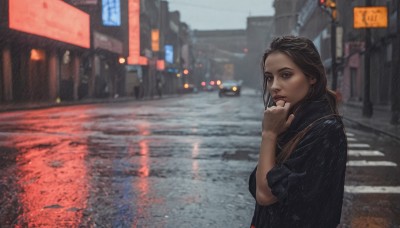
[(218, 55), (259, 34)]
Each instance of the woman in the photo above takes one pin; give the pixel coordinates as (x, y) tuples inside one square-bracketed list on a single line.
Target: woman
[(299, 179)]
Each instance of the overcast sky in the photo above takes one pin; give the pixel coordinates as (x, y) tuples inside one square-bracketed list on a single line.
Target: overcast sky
[(220, 14)]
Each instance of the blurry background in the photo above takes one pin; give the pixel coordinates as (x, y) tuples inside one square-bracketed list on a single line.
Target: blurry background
[(77, 49)]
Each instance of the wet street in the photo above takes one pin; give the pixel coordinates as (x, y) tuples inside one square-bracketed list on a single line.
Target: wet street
[(181, 161)]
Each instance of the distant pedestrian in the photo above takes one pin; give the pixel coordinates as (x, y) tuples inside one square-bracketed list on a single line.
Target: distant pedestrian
[(159, 85), (299, 179), (136, 83)]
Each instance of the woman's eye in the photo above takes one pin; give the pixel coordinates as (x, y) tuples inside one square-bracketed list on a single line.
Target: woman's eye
[(286, 75)]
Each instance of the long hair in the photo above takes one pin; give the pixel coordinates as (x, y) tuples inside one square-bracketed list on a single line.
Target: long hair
[(304, 54)]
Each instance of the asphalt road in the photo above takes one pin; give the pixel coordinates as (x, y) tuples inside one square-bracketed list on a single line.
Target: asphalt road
[(171, 162)]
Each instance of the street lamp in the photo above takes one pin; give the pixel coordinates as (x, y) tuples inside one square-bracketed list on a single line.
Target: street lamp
[(331, 4)]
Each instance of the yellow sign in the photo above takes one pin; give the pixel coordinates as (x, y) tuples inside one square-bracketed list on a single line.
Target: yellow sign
[(155, 40), (370, 17)]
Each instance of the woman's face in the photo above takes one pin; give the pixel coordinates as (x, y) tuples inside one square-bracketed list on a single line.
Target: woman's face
[(285, 80)]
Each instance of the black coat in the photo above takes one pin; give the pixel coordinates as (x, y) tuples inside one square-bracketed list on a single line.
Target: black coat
[(309, 184)]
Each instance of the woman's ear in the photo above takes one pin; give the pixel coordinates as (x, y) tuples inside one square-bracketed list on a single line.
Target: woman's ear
[(312, 80)]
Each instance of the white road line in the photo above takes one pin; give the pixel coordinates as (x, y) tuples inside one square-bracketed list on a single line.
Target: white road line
[(349, 134), (372, 189), (351, 139), (358, 153), (370, 163), (358, 145)]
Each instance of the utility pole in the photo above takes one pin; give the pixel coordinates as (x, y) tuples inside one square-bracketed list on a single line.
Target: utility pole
[(395, 83), (367, 105)]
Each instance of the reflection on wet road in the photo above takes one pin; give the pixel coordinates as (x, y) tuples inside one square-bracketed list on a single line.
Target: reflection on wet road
[(160, 163)]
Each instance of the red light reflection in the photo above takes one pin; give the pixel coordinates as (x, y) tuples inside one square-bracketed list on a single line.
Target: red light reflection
[(144, 159), (141, 185), (51, 171)]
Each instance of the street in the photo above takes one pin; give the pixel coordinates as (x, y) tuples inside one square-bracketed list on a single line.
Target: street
[(181, 161)]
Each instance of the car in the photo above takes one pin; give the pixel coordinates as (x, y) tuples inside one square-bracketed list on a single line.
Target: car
[(189, 88), (230, 87)]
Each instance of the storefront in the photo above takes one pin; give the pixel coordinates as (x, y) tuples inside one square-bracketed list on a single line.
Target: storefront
[(40, 56), (108, 66)]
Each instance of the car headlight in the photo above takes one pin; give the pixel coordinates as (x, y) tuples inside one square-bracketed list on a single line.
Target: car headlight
[(234, 88)]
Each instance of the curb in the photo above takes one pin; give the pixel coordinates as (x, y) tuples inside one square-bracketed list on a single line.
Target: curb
[(81, 102)]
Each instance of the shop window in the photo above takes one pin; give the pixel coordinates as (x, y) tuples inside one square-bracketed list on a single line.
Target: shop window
[(37, 55)]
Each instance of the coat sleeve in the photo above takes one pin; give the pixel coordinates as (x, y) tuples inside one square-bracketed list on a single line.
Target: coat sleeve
[(314, 167)]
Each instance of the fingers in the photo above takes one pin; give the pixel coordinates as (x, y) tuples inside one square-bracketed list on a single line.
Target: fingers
[(287, 105), (280, 103)]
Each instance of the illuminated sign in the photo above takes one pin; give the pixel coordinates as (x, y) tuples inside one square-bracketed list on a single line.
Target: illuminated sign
[(160, 65), (370, 17), (169, 53), (155, 40), (134, 31), (53, 19), (143, 60), (111, 12)]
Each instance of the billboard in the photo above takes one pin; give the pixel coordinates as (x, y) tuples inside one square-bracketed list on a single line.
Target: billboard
[(53, 19), (111, 12), (134, 32), (169, 53)]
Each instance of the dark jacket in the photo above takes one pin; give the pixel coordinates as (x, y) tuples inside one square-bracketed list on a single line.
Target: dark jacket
[(309, 184)]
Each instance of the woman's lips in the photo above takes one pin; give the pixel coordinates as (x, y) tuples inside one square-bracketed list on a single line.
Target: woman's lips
[(277, 98)]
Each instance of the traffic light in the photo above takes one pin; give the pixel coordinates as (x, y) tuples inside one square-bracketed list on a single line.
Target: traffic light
[(327, 3)]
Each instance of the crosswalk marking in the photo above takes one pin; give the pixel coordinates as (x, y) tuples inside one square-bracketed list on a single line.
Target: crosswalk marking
[(358, 145), (349, 139), (372, 189), (358, 153), (361, 150), (371, 163)]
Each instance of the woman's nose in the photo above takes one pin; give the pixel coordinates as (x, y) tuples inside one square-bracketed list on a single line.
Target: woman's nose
[(275, 85)]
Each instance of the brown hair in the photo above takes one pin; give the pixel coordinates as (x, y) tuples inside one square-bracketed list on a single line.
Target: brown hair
[(304, 54)]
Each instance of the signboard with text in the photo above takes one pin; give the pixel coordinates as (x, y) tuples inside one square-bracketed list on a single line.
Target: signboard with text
[(134, 32), (155, 40), (111, 12), (370, 17), (169, 53), (53, 19)]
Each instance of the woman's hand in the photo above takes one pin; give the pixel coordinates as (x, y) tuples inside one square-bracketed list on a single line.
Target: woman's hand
[(275, 119)]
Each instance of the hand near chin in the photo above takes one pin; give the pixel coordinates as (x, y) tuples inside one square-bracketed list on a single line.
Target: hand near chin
[(276, 118)]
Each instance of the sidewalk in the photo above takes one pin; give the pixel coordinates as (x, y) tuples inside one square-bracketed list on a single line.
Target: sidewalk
[(379, 122), (7, 107)]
